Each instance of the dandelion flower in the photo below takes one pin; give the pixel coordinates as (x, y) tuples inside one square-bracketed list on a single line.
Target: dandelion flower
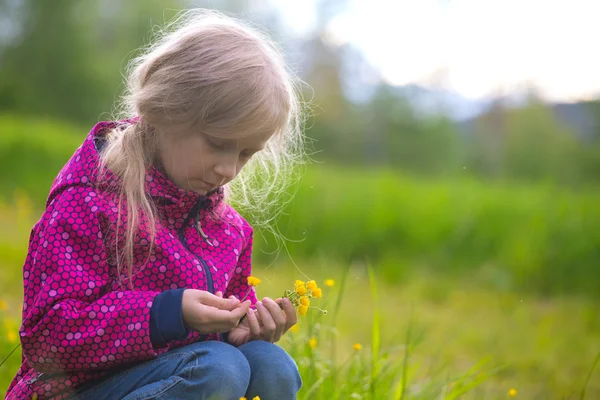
[(256, 398), (312, 343), (317, 293), (357, 347), (301, 290), (312, 285), (253, 281), (299, 283), (3, 305), (304, 301), (303, 310), (243, 398), (294, 328), (512, 392), (329, 282)]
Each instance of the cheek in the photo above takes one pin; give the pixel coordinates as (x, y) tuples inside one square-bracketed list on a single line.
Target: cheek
[(195, 161), (186, 160)]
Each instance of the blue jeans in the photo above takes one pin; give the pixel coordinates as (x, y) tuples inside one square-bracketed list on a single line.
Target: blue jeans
[(206, 370)]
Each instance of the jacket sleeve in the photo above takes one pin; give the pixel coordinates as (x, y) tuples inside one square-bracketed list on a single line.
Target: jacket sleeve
[(238, 284), (72, 319)]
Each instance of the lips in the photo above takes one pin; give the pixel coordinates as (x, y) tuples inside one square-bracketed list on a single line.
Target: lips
[(209, 185)]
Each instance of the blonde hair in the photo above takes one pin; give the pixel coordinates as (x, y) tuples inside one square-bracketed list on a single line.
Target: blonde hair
[(210, 73)]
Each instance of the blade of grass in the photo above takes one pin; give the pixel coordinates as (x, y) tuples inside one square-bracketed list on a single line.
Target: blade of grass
[(401, 390), (336, 309), (587, 380), (375, 331), (313, 388)]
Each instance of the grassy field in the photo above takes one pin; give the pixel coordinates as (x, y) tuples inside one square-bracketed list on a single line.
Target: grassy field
[(466, 340), (460, 335), (476, 288), (536, 237)]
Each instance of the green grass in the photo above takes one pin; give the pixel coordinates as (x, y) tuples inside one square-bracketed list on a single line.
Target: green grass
[(32, 152), (539, 237), (441, 338), (431, 336), (480, 286)]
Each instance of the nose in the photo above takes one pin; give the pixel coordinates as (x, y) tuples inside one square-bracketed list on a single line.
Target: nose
[(226, 168)]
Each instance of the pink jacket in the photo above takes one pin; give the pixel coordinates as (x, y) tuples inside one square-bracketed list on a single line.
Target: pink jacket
[(79, 323)]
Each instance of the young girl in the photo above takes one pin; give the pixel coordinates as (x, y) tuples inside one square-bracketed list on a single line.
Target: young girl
[(136, 275)]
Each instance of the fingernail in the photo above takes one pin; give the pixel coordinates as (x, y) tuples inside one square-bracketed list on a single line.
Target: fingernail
[(267, 298)]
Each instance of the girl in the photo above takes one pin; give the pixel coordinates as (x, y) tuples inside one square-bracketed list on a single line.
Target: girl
[(136, 275)]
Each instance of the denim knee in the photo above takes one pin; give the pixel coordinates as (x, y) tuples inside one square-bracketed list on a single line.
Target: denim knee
[(221, 371), (274, 373)]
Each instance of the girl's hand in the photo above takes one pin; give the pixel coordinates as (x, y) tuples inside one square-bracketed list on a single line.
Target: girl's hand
[(269, 322), (205, 312)]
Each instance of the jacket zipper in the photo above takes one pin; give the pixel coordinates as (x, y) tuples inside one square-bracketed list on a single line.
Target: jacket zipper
[(194, 211), (34, 379)]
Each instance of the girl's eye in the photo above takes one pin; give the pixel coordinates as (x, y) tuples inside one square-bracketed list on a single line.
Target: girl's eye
[(216, 145)]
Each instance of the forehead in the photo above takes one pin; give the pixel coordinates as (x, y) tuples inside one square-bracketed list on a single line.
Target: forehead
[(255, 140)]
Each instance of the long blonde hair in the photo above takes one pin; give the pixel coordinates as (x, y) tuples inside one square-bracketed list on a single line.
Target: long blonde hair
[(207, 72)]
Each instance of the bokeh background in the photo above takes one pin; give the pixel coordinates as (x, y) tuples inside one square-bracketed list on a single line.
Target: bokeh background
[(455, 148)]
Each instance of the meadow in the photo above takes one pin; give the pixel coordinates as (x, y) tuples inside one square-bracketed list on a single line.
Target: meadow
[(444, 288)]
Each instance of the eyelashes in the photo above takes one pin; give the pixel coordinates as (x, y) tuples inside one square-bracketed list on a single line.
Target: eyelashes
[(218, 146), (225, 146)]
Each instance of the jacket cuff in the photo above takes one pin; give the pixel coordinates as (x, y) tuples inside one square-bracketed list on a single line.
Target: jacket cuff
[(166, 318)]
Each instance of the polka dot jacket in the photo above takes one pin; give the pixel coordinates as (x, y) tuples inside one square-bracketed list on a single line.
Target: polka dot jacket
[(81, 320)]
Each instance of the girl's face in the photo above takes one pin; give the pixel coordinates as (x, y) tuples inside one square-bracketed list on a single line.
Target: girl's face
[(202, 163)]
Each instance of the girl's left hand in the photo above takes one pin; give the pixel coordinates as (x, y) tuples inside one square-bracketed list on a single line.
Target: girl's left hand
[(269, 322)]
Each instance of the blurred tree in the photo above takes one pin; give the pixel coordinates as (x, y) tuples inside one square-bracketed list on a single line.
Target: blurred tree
[(66, 58), (46, 69), (538, 146)]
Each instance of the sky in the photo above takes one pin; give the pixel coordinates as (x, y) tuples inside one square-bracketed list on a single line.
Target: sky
[(477, 48)]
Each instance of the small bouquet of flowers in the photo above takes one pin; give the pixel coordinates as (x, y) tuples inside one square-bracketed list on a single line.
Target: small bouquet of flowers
[(300, 296)]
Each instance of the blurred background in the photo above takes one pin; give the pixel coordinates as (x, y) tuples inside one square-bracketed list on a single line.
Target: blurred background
[(456, 150)]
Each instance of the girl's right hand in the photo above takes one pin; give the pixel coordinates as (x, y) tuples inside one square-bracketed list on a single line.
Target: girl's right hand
[(205, 312)]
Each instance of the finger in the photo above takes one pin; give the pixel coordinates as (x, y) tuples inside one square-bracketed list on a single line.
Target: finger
[(238, 313), (219, 294), (253, 324), (223, 320), (291, 316), (214, 320), (277, 315), (269, 326), (210, 299)]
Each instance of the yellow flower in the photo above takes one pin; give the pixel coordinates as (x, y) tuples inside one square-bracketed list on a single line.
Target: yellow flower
[(294, 328), (329, 282), (357, 346), (34, 396), (304, 301), (312, 343), (253, 281), (512, 392), (299, 283), (3, 305), (256, 398), (303, 309), (317, 293), (301, 290), (312, 285), (12, 337), (243, 398)]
